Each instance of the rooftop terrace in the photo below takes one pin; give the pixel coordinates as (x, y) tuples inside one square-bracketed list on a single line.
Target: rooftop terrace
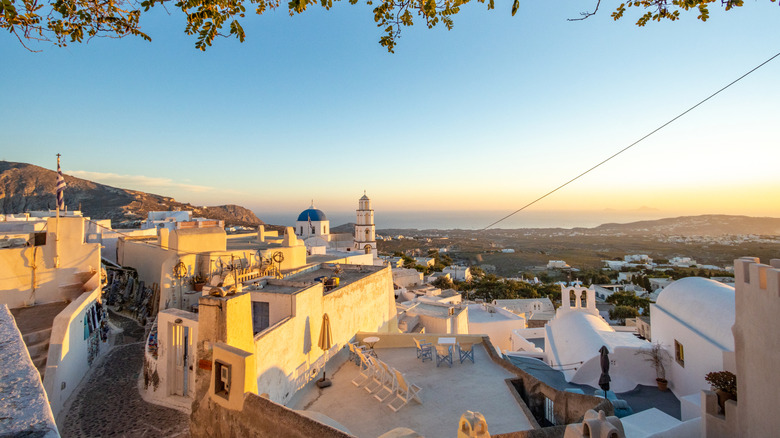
[(306, 277), (446, 394)]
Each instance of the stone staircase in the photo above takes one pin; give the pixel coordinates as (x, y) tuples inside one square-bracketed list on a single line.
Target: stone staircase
[(38, 346)]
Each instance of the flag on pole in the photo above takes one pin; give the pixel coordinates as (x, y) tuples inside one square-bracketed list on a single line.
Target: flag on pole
[(60, 186)]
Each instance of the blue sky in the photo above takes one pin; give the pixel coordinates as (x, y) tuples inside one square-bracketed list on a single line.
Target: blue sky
[(487, 116)]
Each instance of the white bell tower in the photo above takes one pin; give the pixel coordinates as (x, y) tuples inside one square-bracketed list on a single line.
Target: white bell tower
[(365, 230)]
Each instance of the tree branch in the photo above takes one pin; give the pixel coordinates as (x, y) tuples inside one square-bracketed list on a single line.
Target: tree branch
[(586, 14)]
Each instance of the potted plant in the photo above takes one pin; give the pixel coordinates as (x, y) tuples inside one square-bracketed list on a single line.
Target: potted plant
[(198, 281), (725, 385), (658, 358)]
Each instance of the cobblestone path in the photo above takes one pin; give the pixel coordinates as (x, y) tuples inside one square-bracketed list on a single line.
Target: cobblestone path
[(109, 405)]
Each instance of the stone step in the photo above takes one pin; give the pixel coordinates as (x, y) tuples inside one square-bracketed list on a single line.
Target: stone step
[(41, 371), (39, 349), (39, 362), (36, 337)]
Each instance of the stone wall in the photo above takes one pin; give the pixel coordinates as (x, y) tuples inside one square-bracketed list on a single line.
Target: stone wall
[(568, 407), (757, 346), (259, 417), (24, 408), (68, 357)]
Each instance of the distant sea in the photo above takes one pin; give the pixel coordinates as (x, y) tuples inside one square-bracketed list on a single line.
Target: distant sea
[(474, 220)]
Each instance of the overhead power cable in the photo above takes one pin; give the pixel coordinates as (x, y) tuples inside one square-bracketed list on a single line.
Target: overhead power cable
[(631, 145)]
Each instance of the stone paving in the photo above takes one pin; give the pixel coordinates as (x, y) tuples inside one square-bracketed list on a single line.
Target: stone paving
[(109, 405)]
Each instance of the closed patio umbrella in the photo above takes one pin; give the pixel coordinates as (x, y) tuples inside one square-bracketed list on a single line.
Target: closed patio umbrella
[(325, 342), (604, 379)]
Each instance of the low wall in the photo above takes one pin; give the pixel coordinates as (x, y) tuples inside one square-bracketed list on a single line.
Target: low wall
[(568, 407), (68, 359), (259, 417), (24, 408), (406, 340), (531, 332), (547, 432), (521, 343)]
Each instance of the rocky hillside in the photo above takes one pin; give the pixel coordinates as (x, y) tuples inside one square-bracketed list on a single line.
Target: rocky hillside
[(25, 187)]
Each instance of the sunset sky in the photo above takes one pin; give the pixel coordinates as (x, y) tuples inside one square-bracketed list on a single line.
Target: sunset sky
[(488, 116)]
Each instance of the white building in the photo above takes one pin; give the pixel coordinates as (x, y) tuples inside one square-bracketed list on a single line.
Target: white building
[(312, 222), (692, 319), (536, 311), (365, 230), (557, 264), (638, 258), (497, 323), (460, 273), (682, 262), (313, 228), (658, 284), (51, 279), (435, 317), (425, 261), (403, 277), (169, 219), (573, 338)]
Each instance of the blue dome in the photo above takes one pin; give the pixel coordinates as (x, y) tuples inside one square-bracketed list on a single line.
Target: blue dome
[(313, 214)]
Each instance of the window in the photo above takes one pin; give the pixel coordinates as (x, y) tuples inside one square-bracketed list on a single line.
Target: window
[(679, 353), (39, 239), (549, 411), (221, 379), (260, 316)]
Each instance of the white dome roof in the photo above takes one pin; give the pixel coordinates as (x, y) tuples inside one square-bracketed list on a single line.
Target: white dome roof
[(578, 336), (705, 305)]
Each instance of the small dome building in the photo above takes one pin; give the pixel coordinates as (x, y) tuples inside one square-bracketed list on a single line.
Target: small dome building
[(692, 319), (312, 222)]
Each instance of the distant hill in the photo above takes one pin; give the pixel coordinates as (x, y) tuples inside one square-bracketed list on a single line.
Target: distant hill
[(704, 225), (25, 187), (344, 228)]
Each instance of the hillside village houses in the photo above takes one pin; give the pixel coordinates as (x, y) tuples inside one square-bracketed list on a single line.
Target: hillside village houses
[(247, 353)]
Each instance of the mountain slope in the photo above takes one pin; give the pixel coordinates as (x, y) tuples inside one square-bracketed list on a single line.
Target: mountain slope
[(704, 225), (26, 187)]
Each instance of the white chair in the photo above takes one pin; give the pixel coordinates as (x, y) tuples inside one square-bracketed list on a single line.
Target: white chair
[(424, 349), (377, 376), (389, 385), (444, 355), (404, 393), (365, 372), (353, 348), (466, 351)]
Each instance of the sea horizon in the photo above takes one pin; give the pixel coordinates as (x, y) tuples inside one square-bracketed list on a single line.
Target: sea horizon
[(475, 220)]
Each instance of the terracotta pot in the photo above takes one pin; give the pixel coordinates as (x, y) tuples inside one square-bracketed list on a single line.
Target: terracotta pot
[(198, 286), (663, 384), (723, 396)]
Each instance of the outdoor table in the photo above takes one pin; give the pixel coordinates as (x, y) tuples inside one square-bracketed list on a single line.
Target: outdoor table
[(446, 341), (370, 341)]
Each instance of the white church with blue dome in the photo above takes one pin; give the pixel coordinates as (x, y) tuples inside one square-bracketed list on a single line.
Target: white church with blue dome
[(312, 222), (313, 227)]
